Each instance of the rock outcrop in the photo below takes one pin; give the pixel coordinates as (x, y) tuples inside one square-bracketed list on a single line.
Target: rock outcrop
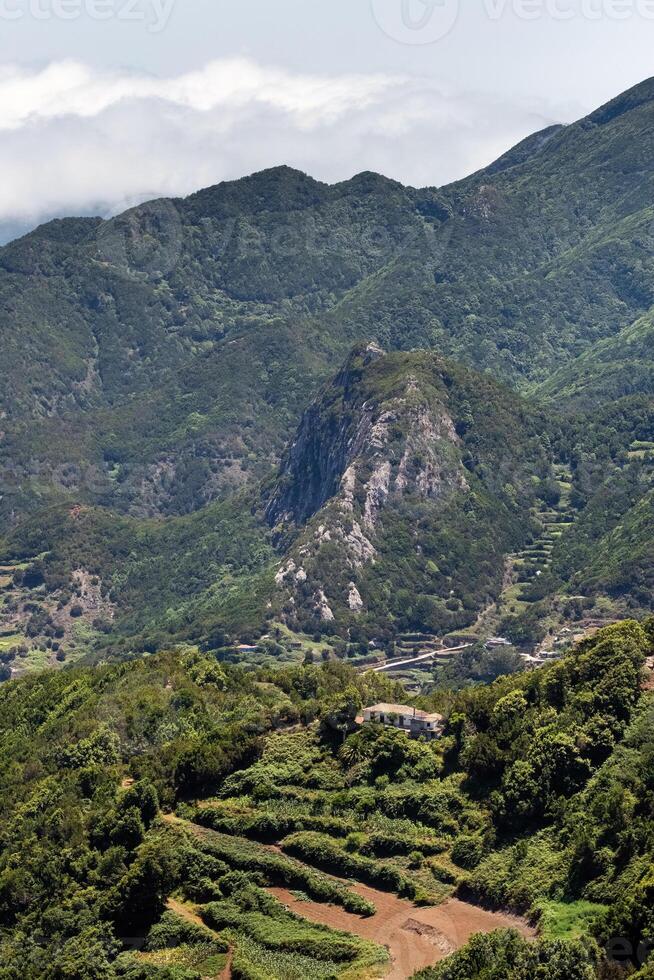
[(392, 444)]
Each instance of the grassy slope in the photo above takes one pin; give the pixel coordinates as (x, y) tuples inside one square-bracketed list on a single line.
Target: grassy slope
[(613, 368)]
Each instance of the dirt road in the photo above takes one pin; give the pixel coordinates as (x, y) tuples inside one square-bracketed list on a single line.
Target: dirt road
[(433, 654), (415, 937)]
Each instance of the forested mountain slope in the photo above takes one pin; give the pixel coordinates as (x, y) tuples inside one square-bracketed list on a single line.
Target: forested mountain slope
[(612, 368), (160, 359), (156, 367), (408, 481)]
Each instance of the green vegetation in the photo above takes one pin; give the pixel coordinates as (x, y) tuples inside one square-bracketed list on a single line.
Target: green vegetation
[(197, 753), (567, 920), (260, 917), (506, 956), (163, 380), (525, 803), (180, 944), (419, 512), (241, 855), (85, 858)]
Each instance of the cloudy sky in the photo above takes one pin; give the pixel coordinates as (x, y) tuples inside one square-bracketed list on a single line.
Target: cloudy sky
[(107, 102)]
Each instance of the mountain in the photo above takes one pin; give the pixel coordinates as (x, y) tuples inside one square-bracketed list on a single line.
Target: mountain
[(416, 497), (408, 482), (156, 368), (161, 359), (282, 422)]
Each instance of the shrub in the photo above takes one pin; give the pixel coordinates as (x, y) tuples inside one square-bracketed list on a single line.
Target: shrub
[(326, 854), (173, 931), (467, 851), (281, 870), (283, 932)]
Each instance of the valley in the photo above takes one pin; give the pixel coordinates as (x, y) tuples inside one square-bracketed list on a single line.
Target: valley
[(412, 384)]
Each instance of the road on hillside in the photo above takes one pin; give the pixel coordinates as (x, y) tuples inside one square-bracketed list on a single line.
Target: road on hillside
[(394, 664)]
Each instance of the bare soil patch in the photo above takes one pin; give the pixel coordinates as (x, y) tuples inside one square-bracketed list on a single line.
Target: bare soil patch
[(415, 937)]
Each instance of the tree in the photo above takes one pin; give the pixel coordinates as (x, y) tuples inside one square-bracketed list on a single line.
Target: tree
[(339, 712)]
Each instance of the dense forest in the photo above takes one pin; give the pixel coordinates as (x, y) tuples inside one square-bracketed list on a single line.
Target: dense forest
[(161, 371)]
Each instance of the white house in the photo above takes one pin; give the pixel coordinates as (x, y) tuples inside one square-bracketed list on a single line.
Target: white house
[(411, 720)]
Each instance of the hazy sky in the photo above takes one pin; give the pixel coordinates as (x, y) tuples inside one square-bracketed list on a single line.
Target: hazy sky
[(105, 102)]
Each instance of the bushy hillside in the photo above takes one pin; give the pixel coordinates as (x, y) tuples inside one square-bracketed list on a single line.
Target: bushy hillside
[(408, 482), (206, 576), (606, 551), (399, 506), (156, 367), (538, 797), (621, 562), (611, 369)]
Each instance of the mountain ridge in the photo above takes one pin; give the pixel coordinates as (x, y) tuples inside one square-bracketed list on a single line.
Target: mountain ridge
[(156, 365)]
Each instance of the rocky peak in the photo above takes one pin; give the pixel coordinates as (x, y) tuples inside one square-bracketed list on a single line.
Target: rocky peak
[(379, 429), (386, 478)]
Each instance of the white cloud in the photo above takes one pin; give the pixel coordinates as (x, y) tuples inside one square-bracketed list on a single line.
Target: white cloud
[(70, 88), (76, 139)]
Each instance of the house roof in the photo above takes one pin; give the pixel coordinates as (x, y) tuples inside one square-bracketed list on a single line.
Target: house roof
[(392, 709)]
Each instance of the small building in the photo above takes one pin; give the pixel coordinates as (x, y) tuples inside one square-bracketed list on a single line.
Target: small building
[(413, 721), (497, 641)]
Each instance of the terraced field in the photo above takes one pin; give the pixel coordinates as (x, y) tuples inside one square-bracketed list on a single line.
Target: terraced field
[(350, 929), (266, 938), (536, 559), (309, 865), (525, 567)]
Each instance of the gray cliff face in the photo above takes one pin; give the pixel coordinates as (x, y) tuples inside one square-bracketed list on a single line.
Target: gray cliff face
[(408, 482), (380, 437), (377, 433), (334, 431)]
